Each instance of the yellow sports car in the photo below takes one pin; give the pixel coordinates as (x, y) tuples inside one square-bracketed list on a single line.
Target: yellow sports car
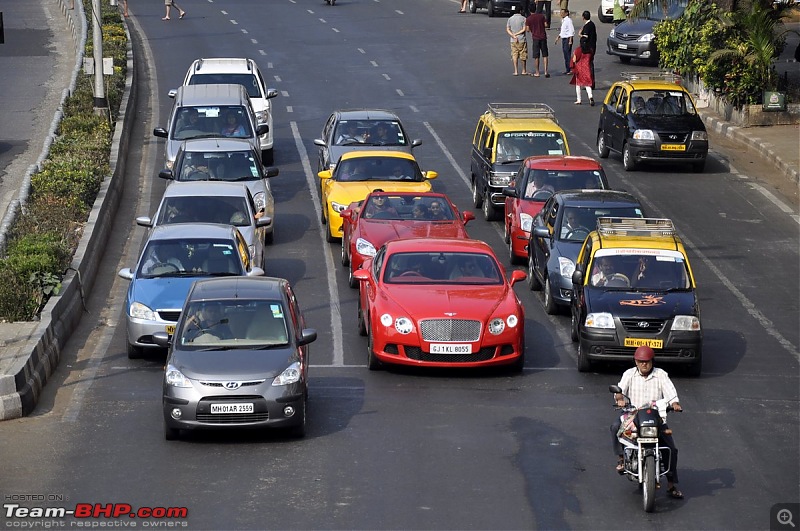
[(360, 172)]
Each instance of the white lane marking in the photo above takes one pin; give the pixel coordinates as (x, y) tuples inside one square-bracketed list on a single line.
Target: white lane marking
[(336, 30), (244, 31), (400, 92), (253, 41), (413, 108), (277, 79), (386, 77), (775, 201), (262, 52), (399, 12), (450, 158), (289, 108), (323, 21), (224, 12), (330, 267), (361, 50), (373, 63), (285, 93), (234, 22)]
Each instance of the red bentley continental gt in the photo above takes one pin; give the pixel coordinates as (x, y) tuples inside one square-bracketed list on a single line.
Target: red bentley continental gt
[(538, 179), (385, 216), (440, 302)]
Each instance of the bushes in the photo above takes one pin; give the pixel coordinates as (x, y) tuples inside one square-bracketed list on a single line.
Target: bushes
[(44, 237)]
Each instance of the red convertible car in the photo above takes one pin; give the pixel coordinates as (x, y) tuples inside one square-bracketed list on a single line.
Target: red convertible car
[(440, 302), (538, 179), (396, 215)]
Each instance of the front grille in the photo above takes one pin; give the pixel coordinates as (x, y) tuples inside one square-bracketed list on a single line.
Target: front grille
[(654, 326), (169, 315), (673, 138), (660, 352), (242, 384), (234, 418), (450, 330), (416, 353), (627, 37)]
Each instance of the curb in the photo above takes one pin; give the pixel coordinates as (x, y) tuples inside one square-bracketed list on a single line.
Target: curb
[(764, 149)]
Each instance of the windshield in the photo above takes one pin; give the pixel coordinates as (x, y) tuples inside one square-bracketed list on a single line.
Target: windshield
[(370, 133), (234, 323), (248, 81), (517, 145), (213, 121), (189, 257), (228, 210), (577, 223), (663, 10), (661, 103), (533, 182), (639, 269), (442, 268), (378, 169), (218, 166)]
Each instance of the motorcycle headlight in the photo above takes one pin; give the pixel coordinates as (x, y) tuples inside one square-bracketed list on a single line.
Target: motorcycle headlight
[(496, 326), (644, 134), (140, 311), (290, 375), (599, 320), (403, 325), (647, 37), (525, 222), (364, 248), (260, 199), (699, 135), (337, 207), (686, 322), (175, 378), (648, 431), (565, 267)]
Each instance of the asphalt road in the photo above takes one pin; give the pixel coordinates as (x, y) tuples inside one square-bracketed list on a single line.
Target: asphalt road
[(406, 449)]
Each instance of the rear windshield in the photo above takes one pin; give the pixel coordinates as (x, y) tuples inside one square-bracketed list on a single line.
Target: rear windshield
[(248, 81)]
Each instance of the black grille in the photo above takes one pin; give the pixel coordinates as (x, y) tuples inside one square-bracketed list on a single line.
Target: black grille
[(450, 330), (660, 352), (232, 418), (654, 326), (627, 37), (169, 315), (673, 138), (416, 353)]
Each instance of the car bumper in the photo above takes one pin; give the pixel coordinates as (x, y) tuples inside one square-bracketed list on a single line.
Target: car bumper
[(269, 407), (678, 347), (483, 354), (140, 331), (632, 49), (496, 196), (560, 288), (649, 150), (335, 223)]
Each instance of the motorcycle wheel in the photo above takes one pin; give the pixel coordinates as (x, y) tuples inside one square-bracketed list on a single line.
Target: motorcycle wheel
[(649, 484)]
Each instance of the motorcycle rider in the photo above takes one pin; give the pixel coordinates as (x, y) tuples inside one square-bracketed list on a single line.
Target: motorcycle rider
[(644, 384)]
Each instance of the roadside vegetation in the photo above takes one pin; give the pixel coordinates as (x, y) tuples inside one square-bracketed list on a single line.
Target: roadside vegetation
[(42, 241)]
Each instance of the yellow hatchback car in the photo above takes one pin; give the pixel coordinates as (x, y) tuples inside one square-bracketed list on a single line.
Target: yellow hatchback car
[(360, 172)]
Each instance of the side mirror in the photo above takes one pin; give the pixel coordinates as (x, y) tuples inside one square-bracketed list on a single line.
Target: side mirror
[(255, 272), (487, 152), (319, 142), (430, 175), (416, 142), (262, 129), (361, 274), (166, 173), (263, 221), (325, 174), (172, 93), (144, 221), (518, 275), (541, 232), (347, 213), (307, 335), (272, 93), (467, 216), (160, 132), (125, 273), (577, 277), (271, 171), (508, 191)]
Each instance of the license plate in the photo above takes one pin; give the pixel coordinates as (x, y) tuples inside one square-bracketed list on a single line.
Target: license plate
[(439, 348), (642, 342), (223, 409), (673, 147), (170, 329), (622, 46)]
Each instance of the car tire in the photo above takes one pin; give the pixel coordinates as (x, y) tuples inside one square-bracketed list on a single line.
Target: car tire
[(699, 166), (550, 305), (134, 352), (267, 157), (490, 8), (573, 325), (602, 18), (330, 238), (506, 232), (602, 147), (171, 434), (489, 211), (373, 363), (345, 255), (477, 197), (322, 215), (624, 60), (512, 258), (533, 280), (362, 322), (472, 7), (351, 280), (627, 158), (298, 431), (269, 238), (584, 364)]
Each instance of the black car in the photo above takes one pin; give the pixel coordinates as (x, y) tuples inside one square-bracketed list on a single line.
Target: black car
[(238, 358), (650, 117), (559, 230), (634, 38), (496, 7)]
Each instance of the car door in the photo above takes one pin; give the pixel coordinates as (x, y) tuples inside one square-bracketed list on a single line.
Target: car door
[(327, 135), (618, 119), (512, 203), (578, 303), (543, 246)]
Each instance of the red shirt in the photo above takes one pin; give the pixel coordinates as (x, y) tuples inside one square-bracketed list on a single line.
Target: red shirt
[(535, 23)]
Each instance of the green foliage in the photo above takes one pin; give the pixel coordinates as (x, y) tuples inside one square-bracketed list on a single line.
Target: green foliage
[(19, 300)]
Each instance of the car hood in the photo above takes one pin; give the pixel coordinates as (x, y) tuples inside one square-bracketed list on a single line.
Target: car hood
[(651, 304), (348, 192), (567, 249), (233, 364), (378, 232), (167, 293), (666, 124), (458, 302), (636, 27)]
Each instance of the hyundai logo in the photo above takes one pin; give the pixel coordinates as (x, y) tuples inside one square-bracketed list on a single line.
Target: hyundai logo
[(643, 324), (232, 386)]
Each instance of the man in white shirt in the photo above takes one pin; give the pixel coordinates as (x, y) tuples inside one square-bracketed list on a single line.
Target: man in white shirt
[(565, 35)]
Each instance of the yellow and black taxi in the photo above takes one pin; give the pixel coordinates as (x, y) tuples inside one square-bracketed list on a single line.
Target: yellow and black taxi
[(648, 117), (507, 134), (633, 286)]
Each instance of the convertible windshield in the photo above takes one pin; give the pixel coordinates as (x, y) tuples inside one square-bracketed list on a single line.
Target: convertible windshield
[(441, 268)]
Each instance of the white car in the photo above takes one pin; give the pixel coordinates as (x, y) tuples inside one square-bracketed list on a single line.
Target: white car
[(245, 72), (606, 10)]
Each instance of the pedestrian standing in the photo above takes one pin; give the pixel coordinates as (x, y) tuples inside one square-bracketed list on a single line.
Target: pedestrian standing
[(463, 6), (590, 32), (565, 35), (535, 23), (582, 75), (515, 27), (543, 6), (171, 3)]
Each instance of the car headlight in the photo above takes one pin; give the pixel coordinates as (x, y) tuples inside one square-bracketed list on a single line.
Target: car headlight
[(290, 375), (647, 37), (252, 249), (565, 267), (386, 319), (644, 134), (337, 207), (499, 179), (686, 322), (364, 248), (496, 326), (403, 325), (600, 320), (175, 378), (262, 117), (140, 311), (260, 199), (648, 431), (525, 222), (512, 320), (611, 34), (699, 135)]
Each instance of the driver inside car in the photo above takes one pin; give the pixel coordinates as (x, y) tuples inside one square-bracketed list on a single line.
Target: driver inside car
[(537, 184), (572, 224)]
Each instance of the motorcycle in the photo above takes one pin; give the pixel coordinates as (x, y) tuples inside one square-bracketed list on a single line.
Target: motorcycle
[(644, 460)]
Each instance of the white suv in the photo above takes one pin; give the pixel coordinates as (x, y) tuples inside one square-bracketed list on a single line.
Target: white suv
[(245, 72)]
